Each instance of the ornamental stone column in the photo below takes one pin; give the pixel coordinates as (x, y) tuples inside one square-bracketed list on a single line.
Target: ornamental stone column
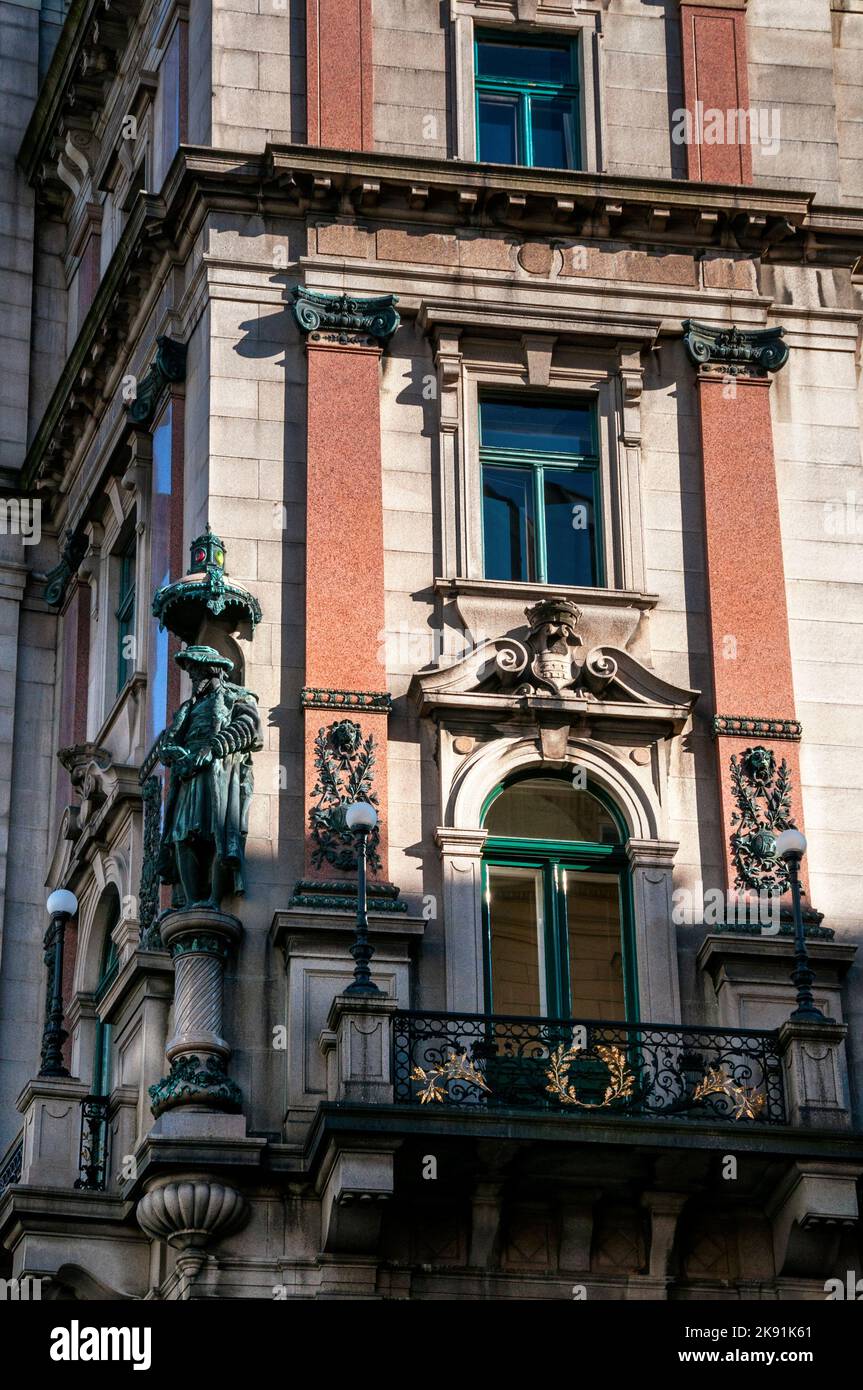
[(195, 837), (754, 717), (199, 940), (345, 701)]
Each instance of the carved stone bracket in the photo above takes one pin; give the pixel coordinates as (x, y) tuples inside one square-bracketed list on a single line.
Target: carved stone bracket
[(188, 1211), (169, 366), (58, 579)]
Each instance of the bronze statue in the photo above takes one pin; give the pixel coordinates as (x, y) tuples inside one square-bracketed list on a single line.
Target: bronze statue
[(208, 749)]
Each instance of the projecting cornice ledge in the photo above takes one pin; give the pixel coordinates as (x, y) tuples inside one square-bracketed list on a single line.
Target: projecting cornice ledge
[(300, 182), (561, 322)]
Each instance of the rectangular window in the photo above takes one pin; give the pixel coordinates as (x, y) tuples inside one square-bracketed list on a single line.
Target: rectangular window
[(172, 100), (161, 564), (540, 491), (125, 613), (527, 101)]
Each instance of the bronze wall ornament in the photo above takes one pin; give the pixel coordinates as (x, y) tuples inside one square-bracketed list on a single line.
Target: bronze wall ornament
[(345, 764), (762, 794)]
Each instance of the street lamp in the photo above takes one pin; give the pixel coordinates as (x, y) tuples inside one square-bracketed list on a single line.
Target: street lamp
[(61, 906), (791, 847), (361, 819)]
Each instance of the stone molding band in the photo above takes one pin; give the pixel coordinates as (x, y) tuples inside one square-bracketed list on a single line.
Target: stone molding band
[(372, 701), (742, 726)]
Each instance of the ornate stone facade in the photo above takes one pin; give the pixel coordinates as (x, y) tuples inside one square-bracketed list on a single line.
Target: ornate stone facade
[(278, 353)]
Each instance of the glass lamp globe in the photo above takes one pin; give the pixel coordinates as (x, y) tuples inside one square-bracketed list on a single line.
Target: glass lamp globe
[(62, 903), (361, 816), (791, 844)]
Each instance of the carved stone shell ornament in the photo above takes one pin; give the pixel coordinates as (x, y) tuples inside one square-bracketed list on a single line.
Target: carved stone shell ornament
[(189, 1211)]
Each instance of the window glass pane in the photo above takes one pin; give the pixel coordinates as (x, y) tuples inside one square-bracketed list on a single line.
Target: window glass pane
[(161, 532), (508, 523), (126, 615), (553, 130), (515, 908), (169, 79), (498, 129), (565, 427), (548, 808), (570, 526), (595, 953), (525, 62)]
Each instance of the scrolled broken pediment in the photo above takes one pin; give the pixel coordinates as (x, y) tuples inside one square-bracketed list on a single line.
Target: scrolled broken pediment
[(547, 665)]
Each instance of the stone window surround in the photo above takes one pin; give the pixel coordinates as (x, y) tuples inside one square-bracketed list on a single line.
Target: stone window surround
[(651, 857), (612, 376), (527, 16), (129, 499)]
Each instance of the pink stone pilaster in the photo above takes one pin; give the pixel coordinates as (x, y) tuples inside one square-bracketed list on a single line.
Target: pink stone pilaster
[(750, 646), (715, 78), (339, 74)]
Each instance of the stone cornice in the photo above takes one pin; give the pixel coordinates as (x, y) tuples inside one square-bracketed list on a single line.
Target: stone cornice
[(298, 181), (78, 394), (85, 62)]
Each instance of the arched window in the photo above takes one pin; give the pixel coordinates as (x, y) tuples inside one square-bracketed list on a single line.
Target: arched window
[(556, 903)]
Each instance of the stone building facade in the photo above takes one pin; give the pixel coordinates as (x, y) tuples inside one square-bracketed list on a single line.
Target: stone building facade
[(479, 379)]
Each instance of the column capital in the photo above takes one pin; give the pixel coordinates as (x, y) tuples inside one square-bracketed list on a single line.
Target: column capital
[(735, 351), (455, 840), (344, 320), (651, 854)]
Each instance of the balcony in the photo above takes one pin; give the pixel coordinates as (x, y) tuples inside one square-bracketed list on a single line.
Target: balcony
[(562, 1065), (540, 1109)]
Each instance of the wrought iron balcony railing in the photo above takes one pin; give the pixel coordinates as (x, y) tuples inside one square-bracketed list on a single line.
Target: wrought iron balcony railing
[(565, 1066), (12, 1165), (93, 1160)]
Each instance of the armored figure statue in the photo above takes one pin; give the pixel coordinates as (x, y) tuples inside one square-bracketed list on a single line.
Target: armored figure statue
[(208, 749)]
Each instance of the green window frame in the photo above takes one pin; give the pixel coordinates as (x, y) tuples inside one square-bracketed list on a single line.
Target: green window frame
[(125, 610), (555, 859), (528, 534), (527, 99)]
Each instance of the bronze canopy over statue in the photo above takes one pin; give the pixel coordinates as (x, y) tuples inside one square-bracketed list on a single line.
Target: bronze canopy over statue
[(207, 749)]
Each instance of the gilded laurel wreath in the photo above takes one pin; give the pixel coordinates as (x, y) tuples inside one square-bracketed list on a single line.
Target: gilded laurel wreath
[(621, 1079), (746, 1103), (453, 1068)]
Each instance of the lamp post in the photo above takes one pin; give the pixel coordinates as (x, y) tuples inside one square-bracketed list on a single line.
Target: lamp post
[(61, 906), (790, 847), (361, 819)]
